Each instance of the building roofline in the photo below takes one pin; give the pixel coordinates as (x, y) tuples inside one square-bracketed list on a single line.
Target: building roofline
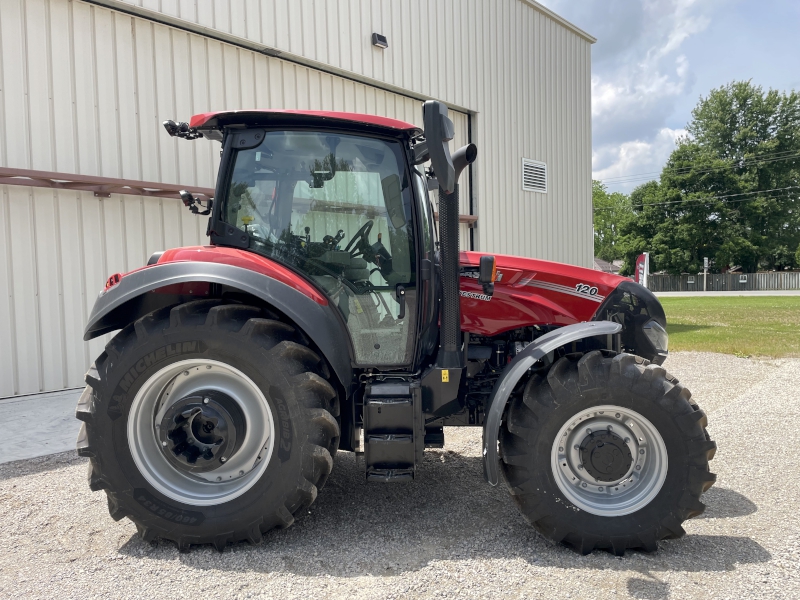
[(560, 20)]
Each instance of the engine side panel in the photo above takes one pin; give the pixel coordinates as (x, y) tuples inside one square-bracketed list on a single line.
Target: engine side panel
[(530, 292)]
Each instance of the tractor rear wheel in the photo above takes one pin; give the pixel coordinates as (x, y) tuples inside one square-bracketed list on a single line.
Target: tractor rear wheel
[(208, 423), (606, 451)]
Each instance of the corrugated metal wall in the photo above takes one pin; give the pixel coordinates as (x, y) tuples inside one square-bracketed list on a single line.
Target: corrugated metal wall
[(523, 71), (84, 89)]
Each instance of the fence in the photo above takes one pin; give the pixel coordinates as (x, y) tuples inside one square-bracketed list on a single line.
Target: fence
[(726, 282)]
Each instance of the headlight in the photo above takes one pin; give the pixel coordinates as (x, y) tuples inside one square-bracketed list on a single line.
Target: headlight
[(642, 318), (657, 335)]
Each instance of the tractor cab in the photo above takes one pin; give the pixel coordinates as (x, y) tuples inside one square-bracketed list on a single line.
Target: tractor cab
[(341, 200), (343, 210)]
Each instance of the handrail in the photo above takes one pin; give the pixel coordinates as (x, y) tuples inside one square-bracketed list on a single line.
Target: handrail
[(103, 187)]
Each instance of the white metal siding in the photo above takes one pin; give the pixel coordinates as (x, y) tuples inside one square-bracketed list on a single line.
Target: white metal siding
[(84, 90)]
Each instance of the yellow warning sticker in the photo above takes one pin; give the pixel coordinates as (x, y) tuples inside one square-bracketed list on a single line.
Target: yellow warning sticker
[(445, 376)]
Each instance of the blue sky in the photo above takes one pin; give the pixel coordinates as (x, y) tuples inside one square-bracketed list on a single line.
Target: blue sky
[(654, 59)]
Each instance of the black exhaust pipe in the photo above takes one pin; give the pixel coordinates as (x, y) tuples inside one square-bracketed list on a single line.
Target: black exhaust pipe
[(450, 354), (439, 130)]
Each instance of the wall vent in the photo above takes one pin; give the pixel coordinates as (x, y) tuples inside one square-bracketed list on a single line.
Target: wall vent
[(534, 176)]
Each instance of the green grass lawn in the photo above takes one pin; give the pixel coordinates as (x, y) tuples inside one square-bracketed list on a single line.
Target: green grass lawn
[(741, 325)]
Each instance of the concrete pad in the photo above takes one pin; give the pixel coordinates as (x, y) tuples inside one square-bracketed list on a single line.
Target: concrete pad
[(39, 424)]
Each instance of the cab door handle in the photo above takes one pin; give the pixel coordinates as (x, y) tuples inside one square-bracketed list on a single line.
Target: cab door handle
[(401, 298)]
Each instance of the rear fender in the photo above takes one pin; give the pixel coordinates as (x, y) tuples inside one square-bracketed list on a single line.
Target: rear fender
[(518, 367), (123, 303)]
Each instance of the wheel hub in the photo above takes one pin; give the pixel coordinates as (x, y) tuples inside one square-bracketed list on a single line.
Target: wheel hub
[(199, 432), (605, 456), (609, 460), (197, 452)]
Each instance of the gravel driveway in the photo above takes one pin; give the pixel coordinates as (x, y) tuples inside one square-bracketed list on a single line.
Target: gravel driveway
[(447, 535)]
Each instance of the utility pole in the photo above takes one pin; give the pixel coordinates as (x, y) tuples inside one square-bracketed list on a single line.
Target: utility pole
[(705, 272)]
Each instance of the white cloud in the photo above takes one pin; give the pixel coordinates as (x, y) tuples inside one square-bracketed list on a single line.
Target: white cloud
[(634, 162), (639, 74)]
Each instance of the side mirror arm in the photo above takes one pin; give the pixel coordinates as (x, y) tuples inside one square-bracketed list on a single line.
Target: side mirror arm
[(192, 203)]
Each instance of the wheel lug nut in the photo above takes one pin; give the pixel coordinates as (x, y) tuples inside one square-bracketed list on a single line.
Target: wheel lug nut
[(186, 373), (600, 489), (223, 459), (583, 485), (638, 467), (610, 427), (560, 449), (588, 430), (163, 443), (580, 466), (627, 440), (576, 447), (205, 400), (617, 415)]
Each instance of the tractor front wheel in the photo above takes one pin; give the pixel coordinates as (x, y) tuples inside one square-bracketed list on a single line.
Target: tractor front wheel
[(606, 451), (208, 423)]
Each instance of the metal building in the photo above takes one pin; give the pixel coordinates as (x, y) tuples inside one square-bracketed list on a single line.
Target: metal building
[(88, 178)]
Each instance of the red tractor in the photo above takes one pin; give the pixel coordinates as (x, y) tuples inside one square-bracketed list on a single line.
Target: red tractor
[(326, 314)]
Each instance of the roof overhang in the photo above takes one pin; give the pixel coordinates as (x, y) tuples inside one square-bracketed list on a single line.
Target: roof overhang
[(561, 20), (268, 118)]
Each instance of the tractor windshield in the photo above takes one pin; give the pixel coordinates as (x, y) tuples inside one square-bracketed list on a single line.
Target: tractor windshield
[(338, 208)]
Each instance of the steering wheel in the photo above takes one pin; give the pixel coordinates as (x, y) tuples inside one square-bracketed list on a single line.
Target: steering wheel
[(361, 234)]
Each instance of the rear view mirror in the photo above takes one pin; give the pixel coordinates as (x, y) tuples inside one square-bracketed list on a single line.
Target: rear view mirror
[(487, 273), (439, 130), (393, 196)]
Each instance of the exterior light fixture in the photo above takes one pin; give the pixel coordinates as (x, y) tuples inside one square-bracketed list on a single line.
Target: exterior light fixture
[(379, 40)]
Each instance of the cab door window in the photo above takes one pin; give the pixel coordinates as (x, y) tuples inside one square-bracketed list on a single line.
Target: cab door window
[(337, 208)]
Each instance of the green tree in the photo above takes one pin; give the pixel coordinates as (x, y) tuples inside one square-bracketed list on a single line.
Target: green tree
[(610, 209), (712, 199)]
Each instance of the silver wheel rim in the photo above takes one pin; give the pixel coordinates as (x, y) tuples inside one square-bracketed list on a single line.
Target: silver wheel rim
[(168, 386), (624, 495)]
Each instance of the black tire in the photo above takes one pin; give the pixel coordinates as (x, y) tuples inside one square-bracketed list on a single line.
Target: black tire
[(276, 357), (579, 382)]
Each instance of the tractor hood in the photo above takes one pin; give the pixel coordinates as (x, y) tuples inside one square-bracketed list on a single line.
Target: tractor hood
[(539, 292), (530, 292)]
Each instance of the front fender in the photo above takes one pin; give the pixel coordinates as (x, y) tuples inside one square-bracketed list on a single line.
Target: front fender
[(516, 369), (318, 322)]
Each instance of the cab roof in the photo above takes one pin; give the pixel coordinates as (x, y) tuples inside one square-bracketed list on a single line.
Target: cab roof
[(264, 117)]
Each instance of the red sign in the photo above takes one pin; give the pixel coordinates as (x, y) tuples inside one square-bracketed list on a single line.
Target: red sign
[(642, 268)]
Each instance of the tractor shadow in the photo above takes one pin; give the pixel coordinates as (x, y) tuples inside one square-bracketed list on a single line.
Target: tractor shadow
[(40, 464), (650, 588), (722, 503), (448, 514)]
